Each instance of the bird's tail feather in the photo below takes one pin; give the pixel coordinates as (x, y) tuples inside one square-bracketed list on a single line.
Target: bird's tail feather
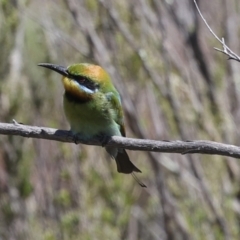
[(124, 165)]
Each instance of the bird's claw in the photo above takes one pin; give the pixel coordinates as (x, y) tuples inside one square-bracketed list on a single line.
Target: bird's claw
[(76, 138), (104, 139)]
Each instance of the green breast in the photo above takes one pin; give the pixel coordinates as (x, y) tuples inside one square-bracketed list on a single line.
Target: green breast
[(91, 117)]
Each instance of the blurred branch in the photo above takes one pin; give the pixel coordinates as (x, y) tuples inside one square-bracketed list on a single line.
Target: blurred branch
[(183, 147), (226, 50)]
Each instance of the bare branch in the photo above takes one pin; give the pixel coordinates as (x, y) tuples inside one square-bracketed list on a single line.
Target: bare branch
[(226, 50), (183, 147)]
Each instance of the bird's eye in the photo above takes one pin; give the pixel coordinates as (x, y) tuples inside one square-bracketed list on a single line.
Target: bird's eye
[(86, 82), (80, 79)]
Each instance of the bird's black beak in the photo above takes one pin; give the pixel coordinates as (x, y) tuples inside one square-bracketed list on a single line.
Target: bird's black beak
[(59, 69)]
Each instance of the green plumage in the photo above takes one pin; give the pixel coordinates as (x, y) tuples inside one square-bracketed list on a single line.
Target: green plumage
[(93, 108), (93, 117)]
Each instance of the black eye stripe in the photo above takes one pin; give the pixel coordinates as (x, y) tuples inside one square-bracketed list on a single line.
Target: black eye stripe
[(85, 82)]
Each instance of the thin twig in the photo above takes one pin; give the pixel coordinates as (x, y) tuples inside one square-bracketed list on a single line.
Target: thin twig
[(226, 50), (183, 147)]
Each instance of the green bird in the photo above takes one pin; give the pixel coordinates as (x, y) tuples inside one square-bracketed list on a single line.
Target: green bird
[(92, 106)]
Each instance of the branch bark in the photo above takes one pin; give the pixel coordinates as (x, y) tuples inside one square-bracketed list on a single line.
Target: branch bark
[(182, 147)]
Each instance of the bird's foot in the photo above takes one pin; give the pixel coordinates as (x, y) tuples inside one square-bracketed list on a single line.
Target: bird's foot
[(103, 138), (77, 138)]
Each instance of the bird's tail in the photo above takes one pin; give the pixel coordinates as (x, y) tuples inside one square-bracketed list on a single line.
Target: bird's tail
[(124, 165)]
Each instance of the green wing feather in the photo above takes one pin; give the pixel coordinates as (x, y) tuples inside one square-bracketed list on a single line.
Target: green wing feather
[(115, 101), (124, 165)]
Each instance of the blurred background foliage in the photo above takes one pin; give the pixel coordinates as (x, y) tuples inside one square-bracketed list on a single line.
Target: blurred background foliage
[(173, 86)]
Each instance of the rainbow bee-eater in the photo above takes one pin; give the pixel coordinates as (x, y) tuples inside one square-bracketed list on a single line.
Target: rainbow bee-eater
[(92, 106)]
